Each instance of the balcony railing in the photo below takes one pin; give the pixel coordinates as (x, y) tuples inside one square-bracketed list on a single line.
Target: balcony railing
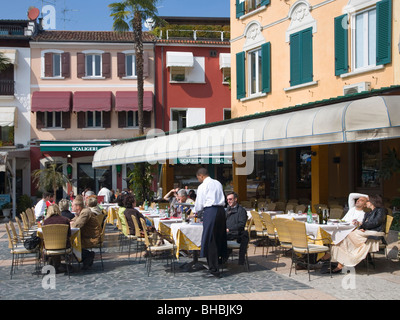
[(7, 87), (9, 30), (196, 34)]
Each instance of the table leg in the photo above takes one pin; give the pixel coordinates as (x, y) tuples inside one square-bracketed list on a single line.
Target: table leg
[(195, 264)]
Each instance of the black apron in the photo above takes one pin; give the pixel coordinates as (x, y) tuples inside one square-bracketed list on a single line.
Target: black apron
[(214, 225)]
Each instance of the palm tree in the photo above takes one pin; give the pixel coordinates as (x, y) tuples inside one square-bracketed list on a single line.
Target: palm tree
[(132, 13), (4, 61), (51, 177)]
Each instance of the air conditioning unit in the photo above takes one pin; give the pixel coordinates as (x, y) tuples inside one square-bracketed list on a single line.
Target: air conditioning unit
[(356, 88)]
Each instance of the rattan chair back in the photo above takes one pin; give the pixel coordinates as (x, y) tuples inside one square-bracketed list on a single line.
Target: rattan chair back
[(282, 230), (10, 240), (55, 236), (268, 223), (389, 220), (146, 236), (13, 232), (298, 233), (335, 213), (258, 223), (300, 207)]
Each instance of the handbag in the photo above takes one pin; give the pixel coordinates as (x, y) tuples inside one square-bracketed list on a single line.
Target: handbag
[(33, 242)]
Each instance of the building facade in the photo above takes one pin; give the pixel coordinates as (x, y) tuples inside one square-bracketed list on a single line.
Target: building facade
[(83, 97), (292, 57)]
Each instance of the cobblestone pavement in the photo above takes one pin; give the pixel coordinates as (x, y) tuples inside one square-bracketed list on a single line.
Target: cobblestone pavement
[(125, 278)]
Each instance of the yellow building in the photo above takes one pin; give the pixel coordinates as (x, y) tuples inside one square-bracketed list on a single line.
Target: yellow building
[(312, 64)]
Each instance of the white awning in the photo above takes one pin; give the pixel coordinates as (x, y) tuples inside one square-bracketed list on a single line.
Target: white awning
[(179, 59), (11, 54), (372, 118), (8, 116), (224, 60)]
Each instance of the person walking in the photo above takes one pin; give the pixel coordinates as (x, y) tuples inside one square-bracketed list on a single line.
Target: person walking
[(211, 200)]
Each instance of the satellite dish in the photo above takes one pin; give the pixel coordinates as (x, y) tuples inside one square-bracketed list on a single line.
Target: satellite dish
[(149, 24), (33, 13)]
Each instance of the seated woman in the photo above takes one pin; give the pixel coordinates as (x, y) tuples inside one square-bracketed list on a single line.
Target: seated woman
[(355, 247), (131, 213), (54, 216)]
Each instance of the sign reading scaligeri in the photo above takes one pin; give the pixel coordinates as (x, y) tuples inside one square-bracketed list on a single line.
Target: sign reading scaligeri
[(71, 146), (204, 160)]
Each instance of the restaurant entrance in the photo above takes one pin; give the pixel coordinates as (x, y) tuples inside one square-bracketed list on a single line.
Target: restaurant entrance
[(89, 177)]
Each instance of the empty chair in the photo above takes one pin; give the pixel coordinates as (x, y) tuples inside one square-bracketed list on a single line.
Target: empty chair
[(260, 229), (280, 206), (246, 204), (271, 232), (300, 244), (300, 207), (271, 206), (290, 206), (285, 241), (335, 213)]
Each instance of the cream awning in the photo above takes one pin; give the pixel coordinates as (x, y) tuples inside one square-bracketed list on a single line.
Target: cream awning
[(8, 116), (179, 59), (224, 60), (371, 118)]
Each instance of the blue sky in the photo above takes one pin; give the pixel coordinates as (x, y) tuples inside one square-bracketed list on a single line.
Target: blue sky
[(95, 15)]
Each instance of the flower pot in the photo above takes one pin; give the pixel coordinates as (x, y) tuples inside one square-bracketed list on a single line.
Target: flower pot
[(6, 212)]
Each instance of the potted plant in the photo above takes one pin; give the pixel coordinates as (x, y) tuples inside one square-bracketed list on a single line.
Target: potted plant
[(6, 209)]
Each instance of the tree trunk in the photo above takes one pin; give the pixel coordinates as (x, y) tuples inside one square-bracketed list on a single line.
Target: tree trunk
[(137, 36)]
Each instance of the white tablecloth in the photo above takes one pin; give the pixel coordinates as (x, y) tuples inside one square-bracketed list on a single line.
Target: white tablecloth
[(337, 231), (157, 221), (192, 231)]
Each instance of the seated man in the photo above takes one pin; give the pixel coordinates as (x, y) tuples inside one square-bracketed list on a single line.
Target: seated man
[(236, 218), (90, 229), (357, 203), (183, 198)]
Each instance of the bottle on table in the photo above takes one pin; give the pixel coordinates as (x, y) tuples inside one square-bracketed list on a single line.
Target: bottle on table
[(320, 217), (309, 215)]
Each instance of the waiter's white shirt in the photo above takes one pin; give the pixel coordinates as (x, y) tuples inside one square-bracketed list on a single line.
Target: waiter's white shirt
[(106, 193), (40, 208), (210, 193)]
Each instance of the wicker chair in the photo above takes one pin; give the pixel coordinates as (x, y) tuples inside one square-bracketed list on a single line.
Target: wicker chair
[(100, 244), (300, 244), (18, 252), (285, 241), (127, 234), (383, 245), (300, 207), (335, 213), (55, 241), (271, 233), (139, 237), (260, 229), (271, 206), (153, 249)]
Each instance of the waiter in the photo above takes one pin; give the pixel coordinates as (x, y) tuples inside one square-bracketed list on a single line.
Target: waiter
[(211, 200)]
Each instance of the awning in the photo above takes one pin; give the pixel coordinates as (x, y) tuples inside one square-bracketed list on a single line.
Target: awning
[(70, 146), (224, 60), (92, 101), (371, 118), (8, 116), (128, 101), (10, 54), (51, 101), (179, 59)]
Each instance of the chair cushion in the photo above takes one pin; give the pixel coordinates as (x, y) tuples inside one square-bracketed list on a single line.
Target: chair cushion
[(56, 252), (312, 248), (233, 244)]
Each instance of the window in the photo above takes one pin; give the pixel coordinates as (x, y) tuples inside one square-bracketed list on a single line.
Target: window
[(370, 38), (132, 119), (94, 119), (257, 72), (368, 160), (178, 74), (179, 119), (301, 57), (246, 6), (130, 65), (93, 65), (7, 136), (227, 114), (226, 75), (53, 119), (56, 64)]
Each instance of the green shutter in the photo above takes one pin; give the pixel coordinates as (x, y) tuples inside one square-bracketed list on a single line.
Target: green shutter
[(266, 67), (341, 45), (301, 57), (383, 32), (295, 59), (240, 76), (306, 56), (240, 8), (264, 2)]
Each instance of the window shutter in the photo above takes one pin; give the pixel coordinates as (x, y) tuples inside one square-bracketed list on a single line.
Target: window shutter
[(266, 67), (122, 115), (106, 64), (295, 59), (40, 120), (147, 119), (146, 64), (66, 120), (121, 64), (48, 64), (65, 64), (80, 65), (81, 119), (106, 119), (240, 8), (383, 32), (341, 45), (264, 2), (240, 75), (307, 56)]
